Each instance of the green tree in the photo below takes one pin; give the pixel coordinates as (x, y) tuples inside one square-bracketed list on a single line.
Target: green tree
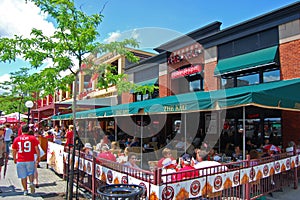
[(75, 36), (19, 90)]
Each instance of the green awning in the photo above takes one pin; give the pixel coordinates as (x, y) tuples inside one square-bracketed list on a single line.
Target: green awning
[(274, 95), (149, 82), (247, 61)]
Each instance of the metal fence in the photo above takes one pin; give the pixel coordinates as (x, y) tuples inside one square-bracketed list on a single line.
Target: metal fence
[(247, 179)]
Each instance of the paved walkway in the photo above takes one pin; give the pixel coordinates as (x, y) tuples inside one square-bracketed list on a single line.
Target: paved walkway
[(51, 186)]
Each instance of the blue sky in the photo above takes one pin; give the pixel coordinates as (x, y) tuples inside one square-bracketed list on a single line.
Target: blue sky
[(158, 20)]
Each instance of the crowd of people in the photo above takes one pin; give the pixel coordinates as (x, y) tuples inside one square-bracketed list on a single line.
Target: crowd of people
[(26, 153), (27, 160)]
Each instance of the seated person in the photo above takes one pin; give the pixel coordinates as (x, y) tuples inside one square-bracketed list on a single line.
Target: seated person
[(166, 154), (249, 146), (128, 142), (186, 166), (135, 142), (237, 155), (132, 161), (103, 141), (169, 167), (198, 156), (106, 154), (211, 154), (290, 147), (88, 150), (115, 148)]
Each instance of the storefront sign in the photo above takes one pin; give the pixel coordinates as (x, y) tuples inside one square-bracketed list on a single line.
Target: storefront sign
[(186, 71), (174, 108), (184, 56)]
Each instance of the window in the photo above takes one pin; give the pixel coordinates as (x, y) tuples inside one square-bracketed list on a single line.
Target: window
[(248, 80), (227, 83), (195, 82), (255, 77), (270, 76), (195, 85)]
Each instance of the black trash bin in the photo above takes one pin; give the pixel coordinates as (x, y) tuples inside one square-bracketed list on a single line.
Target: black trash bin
[(120, 192)]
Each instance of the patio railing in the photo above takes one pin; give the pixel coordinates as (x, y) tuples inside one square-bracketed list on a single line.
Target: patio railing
[(247, 179)]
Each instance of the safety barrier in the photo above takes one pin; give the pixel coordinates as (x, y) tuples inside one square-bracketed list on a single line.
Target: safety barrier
[(247, 179)]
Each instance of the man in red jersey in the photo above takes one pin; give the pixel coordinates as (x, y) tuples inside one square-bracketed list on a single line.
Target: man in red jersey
[(24, 147)]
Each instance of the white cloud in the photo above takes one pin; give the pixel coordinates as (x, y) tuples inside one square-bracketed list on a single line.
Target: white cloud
[(3, 78), (135, 35), (270, 78), (147, 37), (18, 18), (113, 36)]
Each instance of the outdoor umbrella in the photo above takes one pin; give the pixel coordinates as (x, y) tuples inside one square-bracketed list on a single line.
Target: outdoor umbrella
[(16, 115), (272, 147)]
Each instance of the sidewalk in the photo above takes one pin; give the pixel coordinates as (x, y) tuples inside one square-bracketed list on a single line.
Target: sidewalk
[(51, 186)]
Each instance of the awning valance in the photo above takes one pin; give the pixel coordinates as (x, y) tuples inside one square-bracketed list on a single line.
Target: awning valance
[(276, 95), (247, 61)]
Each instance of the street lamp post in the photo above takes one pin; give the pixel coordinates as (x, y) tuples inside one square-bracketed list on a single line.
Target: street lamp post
[(29, 105)]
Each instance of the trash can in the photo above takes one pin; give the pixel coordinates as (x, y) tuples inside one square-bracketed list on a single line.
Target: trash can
[(120, 192)]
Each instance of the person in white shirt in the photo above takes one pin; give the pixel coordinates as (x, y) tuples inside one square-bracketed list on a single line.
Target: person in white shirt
[(169, 167), (7, 137), (56, 134)]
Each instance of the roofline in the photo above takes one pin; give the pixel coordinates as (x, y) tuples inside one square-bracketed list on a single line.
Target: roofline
[(262, 22), (191, 36), (154, 59)]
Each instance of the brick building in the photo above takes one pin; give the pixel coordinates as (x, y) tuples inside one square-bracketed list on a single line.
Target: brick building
[(259, 53), (263, 49)]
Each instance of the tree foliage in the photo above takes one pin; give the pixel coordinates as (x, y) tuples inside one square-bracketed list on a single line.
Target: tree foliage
[(75, 36), (20, 88)]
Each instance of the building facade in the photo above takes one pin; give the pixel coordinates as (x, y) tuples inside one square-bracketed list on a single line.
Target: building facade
[(260, 50), (89, 95)]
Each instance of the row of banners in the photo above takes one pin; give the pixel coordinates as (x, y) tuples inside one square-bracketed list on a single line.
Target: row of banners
[(199, 186)]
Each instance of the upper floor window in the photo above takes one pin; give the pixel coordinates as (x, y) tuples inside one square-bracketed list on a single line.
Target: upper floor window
[(257, 77)]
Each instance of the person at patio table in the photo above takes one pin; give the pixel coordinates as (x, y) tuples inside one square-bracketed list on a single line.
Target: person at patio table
[(88, 150), (290, 148), (115, 149), (166, 152), (211, 154), (198, 156), (237, 155), (132, 159), (103, 141), (135, 142), (186, 166), (169, 167), (106, 154), (249, 145)]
